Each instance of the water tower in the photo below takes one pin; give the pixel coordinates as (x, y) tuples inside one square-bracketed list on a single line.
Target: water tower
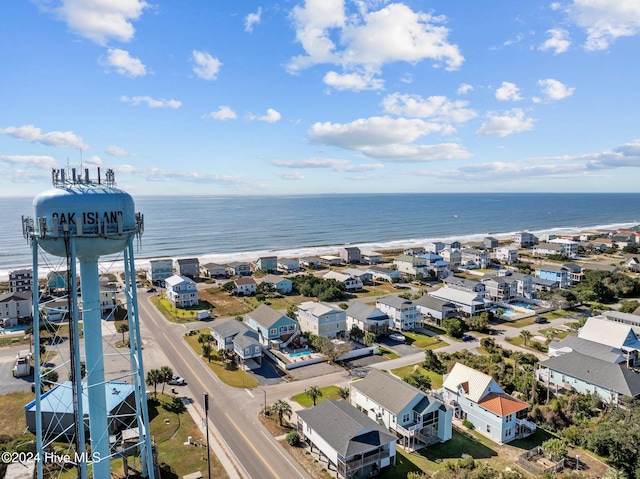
[(83, 219)]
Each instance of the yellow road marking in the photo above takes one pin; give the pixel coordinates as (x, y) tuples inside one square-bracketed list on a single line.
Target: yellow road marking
[(252, 446)]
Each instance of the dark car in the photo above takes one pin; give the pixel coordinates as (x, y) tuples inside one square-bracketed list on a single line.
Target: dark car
[(541, 320), (151, 290), (467, 337)]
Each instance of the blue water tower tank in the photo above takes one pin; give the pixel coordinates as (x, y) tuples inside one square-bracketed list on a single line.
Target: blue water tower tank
[(98, 215)]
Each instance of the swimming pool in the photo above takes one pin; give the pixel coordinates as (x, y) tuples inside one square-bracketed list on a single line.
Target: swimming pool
[(300, 353), (505, 311), (521, 304)]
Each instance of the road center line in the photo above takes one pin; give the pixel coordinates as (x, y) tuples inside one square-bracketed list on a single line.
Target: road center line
[(253, 448)]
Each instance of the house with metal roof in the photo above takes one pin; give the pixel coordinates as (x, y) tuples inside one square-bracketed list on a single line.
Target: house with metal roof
[(273, 327), (416, 417), (478, 398), (584, 374), (403, 314), (367, 318), (435, 309), (468, 302), (322, 319), (236, 336), (352, 444), (616, 335)]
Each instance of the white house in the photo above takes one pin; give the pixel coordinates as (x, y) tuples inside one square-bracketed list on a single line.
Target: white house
[(478, 258), (159, 270), (245, 286), (370, 257), (384, 274), (411, 265), (181, 291), (351, 283), (15, 307), (477, 398), (288, 265), (322, 319), (403, 314), (569, 247), (416, 417), (616, 335), (213, 270), (469, 302), (507, 254), (524, 239), (435, 309), (238, 268), (353, 444)]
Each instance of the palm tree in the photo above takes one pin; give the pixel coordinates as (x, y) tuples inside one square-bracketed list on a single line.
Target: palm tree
[(123, 328), (153, 378), (369, 338), (281, 408), (167, 374), (525, 335), (343, 392), (206, 351), (516, 357), (314, 392)]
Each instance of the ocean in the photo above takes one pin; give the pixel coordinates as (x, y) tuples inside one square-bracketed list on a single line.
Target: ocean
[(222, 229)]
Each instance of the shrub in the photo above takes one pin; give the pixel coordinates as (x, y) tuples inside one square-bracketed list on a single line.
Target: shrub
[(468, 424), (293, 438)]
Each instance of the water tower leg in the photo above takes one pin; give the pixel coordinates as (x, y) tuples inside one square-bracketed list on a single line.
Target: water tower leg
[(92, 318)]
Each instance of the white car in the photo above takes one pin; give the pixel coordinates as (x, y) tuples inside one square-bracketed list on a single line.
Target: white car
[(176, 381), (397, 337)]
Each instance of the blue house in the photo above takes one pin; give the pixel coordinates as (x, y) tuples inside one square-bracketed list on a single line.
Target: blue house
[(267, 263), (273, 327), (554, 272)]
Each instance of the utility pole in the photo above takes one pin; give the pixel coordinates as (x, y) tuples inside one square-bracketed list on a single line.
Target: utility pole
[(206, 421)]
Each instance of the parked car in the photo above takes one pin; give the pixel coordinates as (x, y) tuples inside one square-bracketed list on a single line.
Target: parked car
[(467, 337), (177, 381), (397, 337), (541, 320), (151, 290)]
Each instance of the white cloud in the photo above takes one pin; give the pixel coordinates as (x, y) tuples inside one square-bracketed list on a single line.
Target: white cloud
[(271, 117), (374, 131), (251, 20), (327, 163), (558, 41), (508, 91), (438, 108), (464, 89), (113, 150), (353, 81), (291, 175), (101, 20), (605, 20), (369, 39), (93, 160), (35, 161), (418, 153), (555, 90), (512, 121), (124, 63), (223, 113), (152, 102), (33, 134), (206, 66), (162, 175)]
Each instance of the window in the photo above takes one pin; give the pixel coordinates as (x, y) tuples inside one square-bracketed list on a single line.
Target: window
[(273, 331), (488, 428), (405, 418)]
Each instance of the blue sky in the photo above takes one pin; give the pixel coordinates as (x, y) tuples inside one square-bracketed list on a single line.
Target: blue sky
[(322, 96)]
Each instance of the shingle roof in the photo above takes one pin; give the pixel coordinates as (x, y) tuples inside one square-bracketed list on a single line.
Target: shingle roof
[(345, 429), (596, 371), (502, 404), (394, 301), (590, 348), (362, 311), (245, 280), (390, 392), (610, 333), (433, 303), (229, 327), (265, 315), (188, 261)]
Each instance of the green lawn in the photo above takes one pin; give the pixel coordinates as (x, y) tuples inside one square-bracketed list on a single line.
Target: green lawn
[(424, 341), (388, 354), (433, 329), (436, 379), (518, 341), (178, 315), (233, 376), (329, 392)]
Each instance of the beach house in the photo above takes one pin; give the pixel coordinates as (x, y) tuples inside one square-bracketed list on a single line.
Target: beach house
[(467, 302), (351, 283), (411, 265), (267, 263), (474, 258), (213, 270), (159, 270), (14, 308), (507, 254), (403, 314), (188, 267), (417, 418), (479, 399), (367, 319), (288, 265), (435, 309), (322, 319), (236, 336), (524, 239), (370, 257), (379, 273), (238, 268), (20, 280), (281, 285), (352, 444), (245, 286), (181, 291), (350, 254), (274, 329)]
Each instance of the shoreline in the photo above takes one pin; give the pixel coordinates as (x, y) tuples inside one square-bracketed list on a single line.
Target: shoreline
[(116, 266)]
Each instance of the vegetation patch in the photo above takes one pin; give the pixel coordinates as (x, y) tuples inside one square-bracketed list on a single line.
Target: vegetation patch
[(405, 371), (329, 392), (424, 341)]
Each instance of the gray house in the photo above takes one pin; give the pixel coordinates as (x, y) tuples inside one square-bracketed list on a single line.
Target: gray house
[(352, 444), (350, 254), (367, 318), (188, 267), (435, 309)]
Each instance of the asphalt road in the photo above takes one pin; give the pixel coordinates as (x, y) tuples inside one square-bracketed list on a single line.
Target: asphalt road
[(232, 412)]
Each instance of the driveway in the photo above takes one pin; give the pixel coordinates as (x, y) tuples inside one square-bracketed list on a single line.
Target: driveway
[(399, 348), (267, 373)]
